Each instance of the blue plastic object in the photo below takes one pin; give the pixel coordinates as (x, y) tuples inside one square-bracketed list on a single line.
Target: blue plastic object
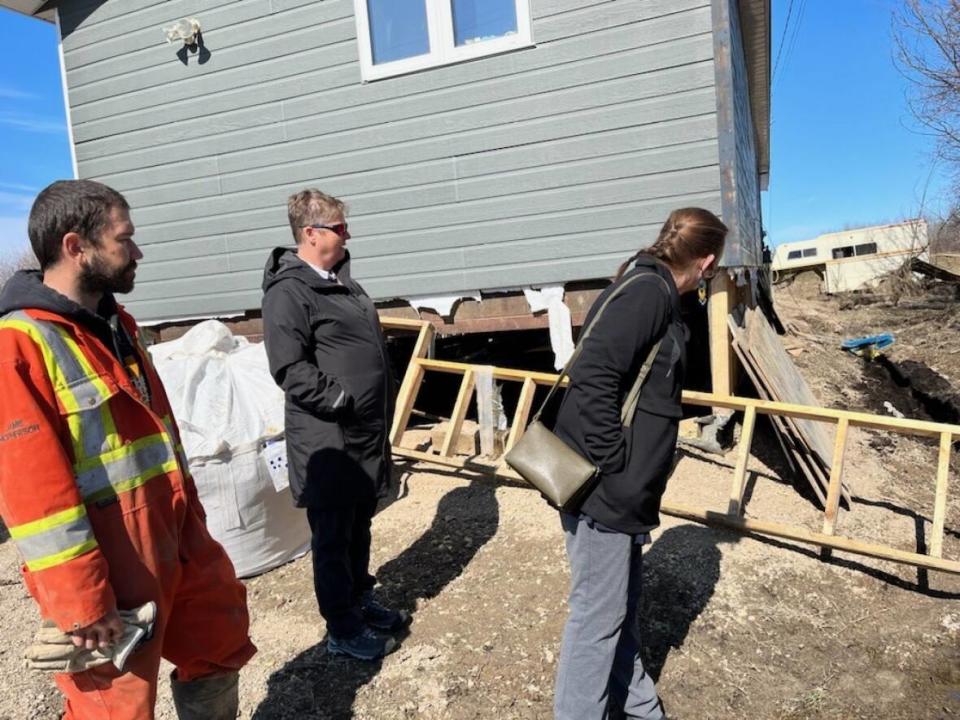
[(869, 346)]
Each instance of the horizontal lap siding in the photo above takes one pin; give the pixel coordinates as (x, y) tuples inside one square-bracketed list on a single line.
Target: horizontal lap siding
[(539, 166), (737, 142)]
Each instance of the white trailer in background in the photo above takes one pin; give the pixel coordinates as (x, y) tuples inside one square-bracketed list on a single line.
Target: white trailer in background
[(853, 259)]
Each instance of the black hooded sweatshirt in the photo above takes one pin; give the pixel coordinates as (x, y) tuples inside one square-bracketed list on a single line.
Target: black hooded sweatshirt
[(327, 351), (25, 291), (634, 462)]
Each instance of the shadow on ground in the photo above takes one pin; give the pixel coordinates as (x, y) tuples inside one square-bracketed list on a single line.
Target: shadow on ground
[(318, 685), (680, 572)]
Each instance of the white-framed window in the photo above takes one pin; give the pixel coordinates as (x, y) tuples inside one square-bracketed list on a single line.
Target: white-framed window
[(401, 36)]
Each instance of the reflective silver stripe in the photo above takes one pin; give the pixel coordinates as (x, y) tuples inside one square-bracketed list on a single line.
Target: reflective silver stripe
[(73, 374), (127, 470), (75, 380), (54, 541)]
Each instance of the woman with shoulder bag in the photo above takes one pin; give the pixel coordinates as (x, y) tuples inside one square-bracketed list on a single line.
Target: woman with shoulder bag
[(600, 667)]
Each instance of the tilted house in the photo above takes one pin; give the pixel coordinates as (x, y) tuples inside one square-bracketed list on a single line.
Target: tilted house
[(481, 144)]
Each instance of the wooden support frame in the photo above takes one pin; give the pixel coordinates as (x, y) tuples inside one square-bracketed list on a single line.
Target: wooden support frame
[(722, 360), (410, 385), (740, 472), (459, 412), (836, 473), (732, 519)]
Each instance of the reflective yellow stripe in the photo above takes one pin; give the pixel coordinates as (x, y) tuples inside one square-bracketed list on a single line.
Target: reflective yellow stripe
[(134, 482), (181, 454), (79, 388), (63, 517), (49, 361), (111, 437), (61, 557), (126, 468), (55, 539)]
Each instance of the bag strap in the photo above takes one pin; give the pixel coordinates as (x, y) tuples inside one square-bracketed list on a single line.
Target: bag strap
[(630, 406), (644, 371)]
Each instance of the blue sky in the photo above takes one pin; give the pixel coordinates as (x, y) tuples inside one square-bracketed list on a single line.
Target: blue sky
[(844, 147), (33, 128)]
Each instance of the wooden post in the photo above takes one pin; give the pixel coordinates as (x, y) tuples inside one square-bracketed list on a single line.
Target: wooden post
[(739, 485), (411, 383), (520, 417), (832, 505), (459, 413), (722, 361), (940, 498)]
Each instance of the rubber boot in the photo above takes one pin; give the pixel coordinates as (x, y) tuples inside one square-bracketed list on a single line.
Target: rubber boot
[(209, 698)]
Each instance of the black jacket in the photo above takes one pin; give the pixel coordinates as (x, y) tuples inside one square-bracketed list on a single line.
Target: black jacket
[(326, 350), (634, 462)]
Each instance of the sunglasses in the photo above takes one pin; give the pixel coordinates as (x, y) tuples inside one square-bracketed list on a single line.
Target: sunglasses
[(340, 228)]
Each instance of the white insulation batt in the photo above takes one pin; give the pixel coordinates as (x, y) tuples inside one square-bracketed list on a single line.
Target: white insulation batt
[(229, 409)]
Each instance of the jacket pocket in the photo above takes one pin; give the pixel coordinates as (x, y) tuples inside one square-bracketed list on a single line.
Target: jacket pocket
[(85, 408)]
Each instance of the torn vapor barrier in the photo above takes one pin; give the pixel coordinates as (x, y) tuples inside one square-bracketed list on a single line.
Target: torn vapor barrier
[(442, 304), (550, 298)]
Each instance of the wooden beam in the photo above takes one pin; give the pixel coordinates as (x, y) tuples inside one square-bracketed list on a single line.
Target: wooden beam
[(722, 361), (400, 323), (410, 385), (719, 519), (940, 497), (456, 368), (905, 426), (522, 415), (836, 476), (740, 473), (459, 413), (790, 532), (496, 468)]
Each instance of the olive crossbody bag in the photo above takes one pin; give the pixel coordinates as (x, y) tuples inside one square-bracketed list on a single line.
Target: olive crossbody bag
[(562, 475)]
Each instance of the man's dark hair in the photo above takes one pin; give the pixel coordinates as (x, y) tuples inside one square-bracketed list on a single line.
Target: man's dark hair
[(80, 206)]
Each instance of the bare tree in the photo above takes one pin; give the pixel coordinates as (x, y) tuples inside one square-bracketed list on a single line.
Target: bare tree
[(12, 262), (927, 36)]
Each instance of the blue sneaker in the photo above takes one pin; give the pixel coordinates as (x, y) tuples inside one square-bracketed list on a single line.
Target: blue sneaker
[(382, 618), (367, 645)]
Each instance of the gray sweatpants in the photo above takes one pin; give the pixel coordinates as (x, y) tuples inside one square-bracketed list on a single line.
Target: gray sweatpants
[(600, 666)]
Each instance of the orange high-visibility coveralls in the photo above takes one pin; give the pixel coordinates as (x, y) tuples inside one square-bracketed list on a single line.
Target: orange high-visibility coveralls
[(97, 495)]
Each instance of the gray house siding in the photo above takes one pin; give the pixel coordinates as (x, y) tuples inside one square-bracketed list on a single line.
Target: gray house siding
[(737, 141), (539, 166)]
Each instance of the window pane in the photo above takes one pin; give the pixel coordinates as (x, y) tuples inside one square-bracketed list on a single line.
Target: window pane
[(867, 249), (479, 20), (810, 252), (793, 255), (398, 29)]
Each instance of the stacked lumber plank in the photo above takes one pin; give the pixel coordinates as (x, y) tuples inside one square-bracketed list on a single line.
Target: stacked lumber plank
[(807, 444)]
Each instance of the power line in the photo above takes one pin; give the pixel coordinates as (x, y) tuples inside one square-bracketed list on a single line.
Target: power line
[(793, 36), (783, 36)]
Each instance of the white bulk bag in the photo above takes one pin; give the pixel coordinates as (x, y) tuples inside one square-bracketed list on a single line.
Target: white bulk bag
[(227, 408)]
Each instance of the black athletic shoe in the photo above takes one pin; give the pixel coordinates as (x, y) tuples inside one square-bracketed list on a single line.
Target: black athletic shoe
[(382, 618), (367, 645)]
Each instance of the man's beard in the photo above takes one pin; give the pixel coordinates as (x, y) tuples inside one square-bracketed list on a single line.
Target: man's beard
[(96, 277)]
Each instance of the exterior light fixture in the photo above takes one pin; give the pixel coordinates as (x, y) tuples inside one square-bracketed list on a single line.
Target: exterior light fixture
[(184, 30)]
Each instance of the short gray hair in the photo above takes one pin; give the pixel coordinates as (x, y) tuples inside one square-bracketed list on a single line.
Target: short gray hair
[(312, 207)]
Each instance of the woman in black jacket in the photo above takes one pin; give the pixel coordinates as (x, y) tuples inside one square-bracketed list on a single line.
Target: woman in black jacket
[(600, 663)]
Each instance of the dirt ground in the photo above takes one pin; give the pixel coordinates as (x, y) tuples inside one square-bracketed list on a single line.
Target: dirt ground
[(734, 626)]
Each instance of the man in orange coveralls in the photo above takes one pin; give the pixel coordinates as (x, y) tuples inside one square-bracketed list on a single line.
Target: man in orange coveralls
[(94, 486)]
